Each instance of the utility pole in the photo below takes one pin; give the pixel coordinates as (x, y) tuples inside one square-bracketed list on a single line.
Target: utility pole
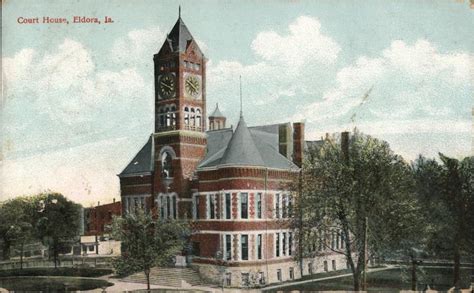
[(364, 284)]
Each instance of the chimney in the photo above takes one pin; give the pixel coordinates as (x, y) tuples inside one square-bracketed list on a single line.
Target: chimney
[(114, 200), (345, 145), (98, 203), (298, 143)]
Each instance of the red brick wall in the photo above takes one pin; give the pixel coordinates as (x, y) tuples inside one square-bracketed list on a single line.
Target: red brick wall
[(298, 143), (101, 216)]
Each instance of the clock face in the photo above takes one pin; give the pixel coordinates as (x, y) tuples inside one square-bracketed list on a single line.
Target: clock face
[(167, 86), (192, 85)]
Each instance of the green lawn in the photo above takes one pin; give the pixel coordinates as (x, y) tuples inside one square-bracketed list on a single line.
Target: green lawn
[(72, 272), (391, 280)]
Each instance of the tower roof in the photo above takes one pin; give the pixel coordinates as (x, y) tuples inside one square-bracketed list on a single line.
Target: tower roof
[(241, 149), (217, 113), (179, 37)]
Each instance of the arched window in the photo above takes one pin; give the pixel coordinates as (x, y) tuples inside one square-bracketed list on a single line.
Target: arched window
[(173, 115), (198, 117), (167, 165), (193, 118), (168, 117), (162, 117), (186, 116)]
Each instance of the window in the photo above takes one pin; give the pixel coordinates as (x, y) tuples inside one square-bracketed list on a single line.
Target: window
[(198, 117), (259, 246), (166, 165), (245, 279), (91, 247), (228, 205), (174, 207), (277, 244), (337, 240), (290, 205), (228, 247), (196, 206), (212, 206), (277, 206), (284, 243), (310, 268), (186, 115), (343, 243), (168, 207), (279, 278), (244, 242), (244, 213), (228, 279), (259, 205), (333, 240), (192, 122), (283, 206), (162, 207), (292, 273), (290, 243), (325, 264), (196, 248), (333, 264)]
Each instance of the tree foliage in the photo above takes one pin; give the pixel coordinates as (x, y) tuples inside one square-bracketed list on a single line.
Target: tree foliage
[(48, 217), (446, 191), (340, 189), (147, 242)]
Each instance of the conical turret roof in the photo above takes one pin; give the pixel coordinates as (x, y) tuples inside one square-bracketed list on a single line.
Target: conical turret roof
[(241, 149), (217, 113)]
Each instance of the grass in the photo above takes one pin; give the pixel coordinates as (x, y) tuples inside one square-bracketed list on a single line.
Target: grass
[(391, 280), (51, 284), (71, 272)]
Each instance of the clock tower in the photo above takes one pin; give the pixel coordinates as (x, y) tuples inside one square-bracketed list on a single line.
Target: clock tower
[(179, 140)]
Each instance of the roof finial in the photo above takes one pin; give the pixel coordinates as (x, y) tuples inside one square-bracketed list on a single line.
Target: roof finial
[(241, 108), (179, 11)]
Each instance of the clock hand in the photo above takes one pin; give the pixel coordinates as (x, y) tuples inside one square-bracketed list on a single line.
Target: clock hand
[(191, 85), (165, 85)]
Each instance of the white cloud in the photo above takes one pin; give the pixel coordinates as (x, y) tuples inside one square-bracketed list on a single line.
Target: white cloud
[(138, 46), (304, 44), (283, 65), (408, 81)]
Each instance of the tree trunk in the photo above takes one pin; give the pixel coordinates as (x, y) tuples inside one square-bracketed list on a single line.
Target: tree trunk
[(6, 250), (147, 274), (21, 256), (413, 274), (457, 264), (356, 277)]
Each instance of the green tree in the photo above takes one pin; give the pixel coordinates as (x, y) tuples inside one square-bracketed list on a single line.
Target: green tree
[(446, 191), (147, 242), (360, 192), (57, 221), (16, 224)]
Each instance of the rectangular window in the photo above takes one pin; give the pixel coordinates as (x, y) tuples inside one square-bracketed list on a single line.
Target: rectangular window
[(212, 206), (174, 208), (277, 206), (290, 205), (244, 213), (259, 205), (244, 243), (279, 278), (277, 244), (292, 273), (310, 268), (333, 264), (325, 264), (342, 241), (284, 243), (290, 243), (337, 240), (162, 207), (228, 205), (259, 246), (261, 278), (333, 240), (283, 205), (196, 206), (228, 247)]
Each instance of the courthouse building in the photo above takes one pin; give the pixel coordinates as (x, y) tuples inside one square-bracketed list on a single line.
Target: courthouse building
[(233, 182)]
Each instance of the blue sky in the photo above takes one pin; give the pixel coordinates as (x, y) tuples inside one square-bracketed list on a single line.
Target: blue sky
[(77, 100)]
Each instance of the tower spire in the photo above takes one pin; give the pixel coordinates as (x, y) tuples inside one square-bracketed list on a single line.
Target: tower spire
[(179, 11), (241, 107)]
